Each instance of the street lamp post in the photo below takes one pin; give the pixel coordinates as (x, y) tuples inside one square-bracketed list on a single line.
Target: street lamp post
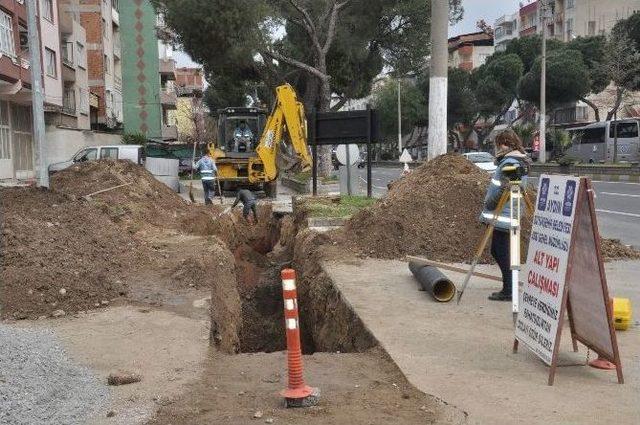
[(542, 155), (399, 117)]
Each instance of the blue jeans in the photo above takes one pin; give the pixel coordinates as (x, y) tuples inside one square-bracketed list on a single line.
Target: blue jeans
[(209, 191), (500, 252)]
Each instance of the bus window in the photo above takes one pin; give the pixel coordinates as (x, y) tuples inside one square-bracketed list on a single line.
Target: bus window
[(626, 130), (592, 135)]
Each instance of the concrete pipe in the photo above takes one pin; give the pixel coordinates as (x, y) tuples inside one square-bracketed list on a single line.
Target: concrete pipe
[(434, 282)]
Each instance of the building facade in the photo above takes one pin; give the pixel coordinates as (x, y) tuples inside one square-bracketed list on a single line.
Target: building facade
[(141, 69), (74, 77), (506, 29), (470, 51), (191, 113), (101, 21), (16, 142)]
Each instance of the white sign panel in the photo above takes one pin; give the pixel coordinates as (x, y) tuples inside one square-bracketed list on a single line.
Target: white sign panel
[(542, 295)]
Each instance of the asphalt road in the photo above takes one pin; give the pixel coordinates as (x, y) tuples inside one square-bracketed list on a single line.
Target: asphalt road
[(617, 204)]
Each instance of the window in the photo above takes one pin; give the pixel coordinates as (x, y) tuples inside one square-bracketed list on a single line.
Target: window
[(109, 153), (84, 101), (7, 42), (47, 10), (115, 5), (5, 131), (81, 57), (570, 4), (593, 135), (69, 101), (50, 57), (626, 130), (86, 155), (104, 28), (591, 28), (569, 29), (67, 53), (107, 68), (24, 38)]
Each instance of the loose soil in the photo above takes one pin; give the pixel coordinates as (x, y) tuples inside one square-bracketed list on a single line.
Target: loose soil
[(433, 212), (358, 389)]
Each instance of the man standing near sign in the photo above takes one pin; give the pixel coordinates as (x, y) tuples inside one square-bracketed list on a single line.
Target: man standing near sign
[(509, 154)]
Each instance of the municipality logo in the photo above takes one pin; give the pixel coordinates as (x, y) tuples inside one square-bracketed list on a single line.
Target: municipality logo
[(569, 197), (544, 194)]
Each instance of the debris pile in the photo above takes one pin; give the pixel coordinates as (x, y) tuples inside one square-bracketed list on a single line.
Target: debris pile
[(432, 212), (143, 200), (60, 255)]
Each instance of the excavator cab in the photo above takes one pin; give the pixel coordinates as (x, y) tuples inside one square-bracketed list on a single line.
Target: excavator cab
[(239, 130)]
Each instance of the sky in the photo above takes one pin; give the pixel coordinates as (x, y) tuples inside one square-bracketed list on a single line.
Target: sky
[(474, 10), (489, 10)]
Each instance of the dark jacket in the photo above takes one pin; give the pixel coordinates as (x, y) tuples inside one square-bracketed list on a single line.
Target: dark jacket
[(499, 183)]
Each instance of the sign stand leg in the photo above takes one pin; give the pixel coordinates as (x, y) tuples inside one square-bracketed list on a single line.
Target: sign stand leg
[(574, 341)]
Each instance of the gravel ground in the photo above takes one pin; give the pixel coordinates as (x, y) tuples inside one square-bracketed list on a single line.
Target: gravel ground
[(39, 383)]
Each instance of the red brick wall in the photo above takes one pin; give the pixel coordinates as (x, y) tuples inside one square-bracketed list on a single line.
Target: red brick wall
[(92, 23)]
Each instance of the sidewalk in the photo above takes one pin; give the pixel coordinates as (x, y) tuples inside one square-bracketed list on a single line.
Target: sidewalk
[(462, 354)]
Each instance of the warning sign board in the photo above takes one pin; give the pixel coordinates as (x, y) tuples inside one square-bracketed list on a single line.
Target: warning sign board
[(547, 261), (565, 275)]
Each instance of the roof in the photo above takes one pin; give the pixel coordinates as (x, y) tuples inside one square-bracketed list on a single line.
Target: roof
[(480, 38)]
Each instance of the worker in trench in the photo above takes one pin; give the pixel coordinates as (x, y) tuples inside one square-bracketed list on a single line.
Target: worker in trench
[(206, 166), (509, 153), (249, 203)]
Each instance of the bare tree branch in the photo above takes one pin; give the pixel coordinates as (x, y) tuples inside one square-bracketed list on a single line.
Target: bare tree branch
[(303, 66), (331, 30), (308, 24)]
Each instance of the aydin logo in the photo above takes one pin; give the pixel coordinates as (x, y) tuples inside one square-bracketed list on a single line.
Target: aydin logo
[(544, 194), (569, 197)]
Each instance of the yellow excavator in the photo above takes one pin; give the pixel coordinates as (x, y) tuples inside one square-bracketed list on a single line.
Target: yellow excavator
[(243, 161)]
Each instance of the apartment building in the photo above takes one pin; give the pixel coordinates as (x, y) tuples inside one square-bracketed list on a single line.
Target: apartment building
[(469, 51), (143, 100), (190, 115), (506, 29), (101, 21), (16, 141), (168, 76), (74, 82), (582, 18)]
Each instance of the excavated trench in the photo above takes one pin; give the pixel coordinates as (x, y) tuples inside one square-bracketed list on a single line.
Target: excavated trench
[(247, 305)]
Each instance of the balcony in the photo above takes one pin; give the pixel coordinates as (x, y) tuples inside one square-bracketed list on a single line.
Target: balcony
[(117, 83), (169, 132), (115, 16), (66, 22), (168, 69), (168, 99), (117, 47), (68, 73)]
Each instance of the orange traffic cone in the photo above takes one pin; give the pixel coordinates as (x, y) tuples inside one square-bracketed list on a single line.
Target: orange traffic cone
[(297, 394)]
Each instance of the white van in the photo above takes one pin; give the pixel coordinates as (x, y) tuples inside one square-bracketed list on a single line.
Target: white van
[(134, 153)]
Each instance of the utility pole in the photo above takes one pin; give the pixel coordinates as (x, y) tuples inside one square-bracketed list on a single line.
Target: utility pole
[(399, 118), (438, 79), (37, 96), (542, 155)]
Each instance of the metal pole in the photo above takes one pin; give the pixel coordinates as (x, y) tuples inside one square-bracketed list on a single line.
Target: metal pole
[(542, 156), (615, 136), (399, 118), (348, 169), (438, 79), (37, 96), (369, 154)]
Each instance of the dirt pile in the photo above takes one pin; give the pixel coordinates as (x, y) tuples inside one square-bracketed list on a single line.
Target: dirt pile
[(60, 254), (431, 212), (613, 250), (143, 201)]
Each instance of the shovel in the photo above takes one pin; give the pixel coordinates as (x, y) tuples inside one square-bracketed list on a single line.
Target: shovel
[(191, 181)]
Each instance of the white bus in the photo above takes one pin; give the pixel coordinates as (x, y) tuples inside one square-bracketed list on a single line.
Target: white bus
[(594, 143)]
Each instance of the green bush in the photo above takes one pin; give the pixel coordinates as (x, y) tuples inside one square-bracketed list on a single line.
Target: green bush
[(568, 160), (134, 139)]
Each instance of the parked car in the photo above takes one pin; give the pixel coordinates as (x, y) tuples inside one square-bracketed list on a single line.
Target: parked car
[(134, 153), (483, 160)]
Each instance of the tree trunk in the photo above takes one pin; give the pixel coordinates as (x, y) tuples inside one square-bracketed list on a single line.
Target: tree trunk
[(593, 106), (616, 106)]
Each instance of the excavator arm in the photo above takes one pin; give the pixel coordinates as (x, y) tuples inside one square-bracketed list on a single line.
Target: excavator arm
[(287, 116)]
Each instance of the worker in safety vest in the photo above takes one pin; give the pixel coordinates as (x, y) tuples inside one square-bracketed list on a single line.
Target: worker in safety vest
[(248, 200), (509, 152), (208, 170)]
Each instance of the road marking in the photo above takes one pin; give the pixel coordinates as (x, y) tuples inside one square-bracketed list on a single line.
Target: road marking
[(619, 213), (619, 194), (607, 182)]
